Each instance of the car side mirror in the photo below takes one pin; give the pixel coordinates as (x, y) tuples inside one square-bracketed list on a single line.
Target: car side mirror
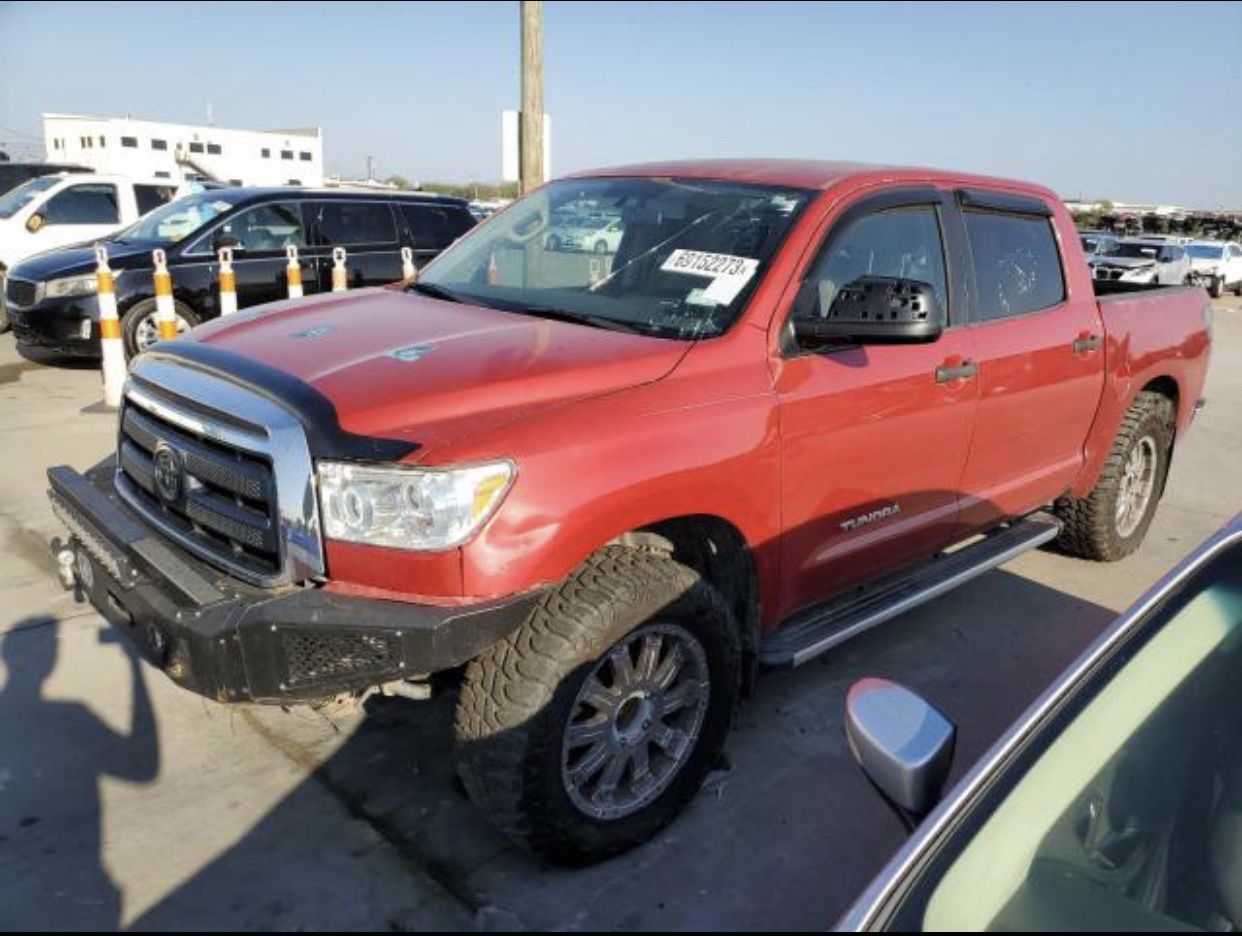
[(220, 241), (876, 310), (35, 222), (902, 743)]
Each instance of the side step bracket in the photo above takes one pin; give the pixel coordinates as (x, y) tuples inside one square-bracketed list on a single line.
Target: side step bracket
[(820, 629)]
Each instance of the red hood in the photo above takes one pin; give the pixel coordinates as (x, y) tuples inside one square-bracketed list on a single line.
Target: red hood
[(401, 366)]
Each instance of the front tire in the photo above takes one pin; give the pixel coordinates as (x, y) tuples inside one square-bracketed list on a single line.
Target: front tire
[(1217, 288), (138, 326), (591, 727), (1111, 522)]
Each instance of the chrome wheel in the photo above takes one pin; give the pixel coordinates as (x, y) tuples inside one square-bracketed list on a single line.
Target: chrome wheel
[(147, 331), (1138, 483), (636, 721)]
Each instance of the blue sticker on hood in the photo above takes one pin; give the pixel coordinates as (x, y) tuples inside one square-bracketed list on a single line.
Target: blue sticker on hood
[(412, 352), (317, 332)]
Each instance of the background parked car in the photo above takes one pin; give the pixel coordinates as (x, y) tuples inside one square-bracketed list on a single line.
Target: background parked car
[(52, 300), (1098, 243), (54, 211), (1138, 260), (1217, 265), (1113, 804)]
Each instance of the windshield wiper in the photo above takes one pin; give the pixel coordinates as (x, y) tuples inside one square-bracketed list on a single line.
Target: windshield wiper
[(434, 291), (576, 318)]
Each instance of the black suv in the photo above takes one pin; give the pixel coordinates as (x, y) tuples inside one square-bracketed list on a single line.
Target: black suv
[(51, 296)]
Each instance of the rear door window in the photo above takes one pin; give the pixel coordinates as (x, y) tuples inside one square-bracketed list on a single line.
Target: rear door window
[(354, 224), (84, 204), (434, 227), (1017, 264)]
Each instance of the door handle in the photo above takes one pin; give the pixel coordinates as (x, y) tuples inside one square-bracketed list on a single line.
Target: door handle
[(1086, 342), (948, 373)]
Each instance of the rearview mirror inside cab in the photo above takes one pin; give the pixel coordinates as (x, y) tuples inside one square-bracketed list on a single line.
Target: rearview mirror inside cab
[(872, 310), (901, 742)]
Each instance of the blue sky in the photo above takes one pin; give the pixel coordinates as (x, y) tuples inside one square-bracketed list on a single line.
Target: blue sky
[(1132, 101)]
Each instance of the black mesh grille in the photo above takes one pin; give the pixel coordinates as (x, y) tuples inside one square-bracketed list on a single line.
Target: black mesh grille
[(311, 657), (225, 503), (20, 292)]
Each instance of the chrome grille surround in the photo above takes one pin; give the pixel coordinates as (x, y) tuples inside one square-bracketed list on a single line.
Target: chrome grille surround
[(205, 418)]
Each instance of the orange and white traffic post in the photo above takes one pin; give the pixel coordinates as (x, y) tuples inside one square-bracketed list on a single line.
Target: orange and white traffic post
[(408, 271), (109, 332), (293, 273), (340, 276), (228, 282), (165, 314)]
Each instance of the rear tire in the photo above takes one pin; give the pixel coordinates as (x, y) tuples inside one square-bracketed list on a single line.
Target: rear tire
[(516, 753), (1110, 522), (5, 322), (1217, 288)]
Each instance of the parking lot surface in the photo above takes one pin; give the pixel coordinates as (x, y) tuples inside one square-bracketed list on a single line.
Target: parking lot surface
[(127, 802)]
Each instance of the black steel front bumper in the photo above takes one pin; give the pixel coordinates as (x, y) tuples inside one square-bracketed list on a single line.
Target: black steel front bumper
[(233, 642)]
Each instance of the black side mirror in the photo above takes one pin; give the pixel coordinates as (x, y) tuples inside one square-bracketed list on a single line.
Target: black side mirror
[(220, 241), (876, 310), (902, 743)]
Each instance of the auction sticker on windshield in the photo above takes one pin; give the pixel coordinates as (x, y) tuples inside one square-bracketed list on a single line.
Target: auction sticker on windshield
[(729, 274)]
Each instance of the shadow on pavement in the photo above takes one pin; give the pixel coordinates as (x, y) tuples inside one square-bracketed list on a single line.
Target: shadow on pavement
[(52, 756), (783, 840)]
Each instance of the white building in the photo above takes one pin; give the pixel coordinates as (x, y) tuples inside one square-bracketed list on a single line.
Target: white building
[(149, 149)]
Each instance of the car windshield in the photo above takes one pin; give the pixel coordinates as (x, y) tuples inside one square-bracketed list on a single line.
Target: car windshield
[(1206, 251), (175, 221), (663, 257), (16, 199), (1138, 251)]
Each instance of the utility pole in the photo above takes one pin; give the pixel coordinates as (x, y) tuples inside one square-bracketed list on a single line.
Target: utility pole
[(369, 158), (530, 148)]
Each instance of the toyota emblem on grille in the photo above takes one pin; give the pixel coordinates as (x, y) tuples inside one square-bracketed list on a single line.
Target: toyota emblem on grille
[(167, 472)]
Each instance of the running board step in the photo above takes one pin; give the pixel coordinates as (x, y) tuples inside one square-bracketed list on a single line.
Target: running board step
[(812, 633)]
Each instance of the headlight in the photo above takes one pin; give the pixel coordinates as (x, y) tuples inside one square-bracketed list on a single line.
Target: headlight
[(409, 508), (71, 286)]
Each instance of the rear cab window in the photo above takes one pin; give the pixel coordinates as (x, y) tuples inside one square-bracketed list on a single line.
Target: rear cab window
[(1017, 263)]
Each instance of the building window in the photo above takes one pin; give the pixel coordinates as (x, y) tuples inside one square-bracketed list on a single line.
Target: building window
[(159, 144), (286, 154), (265, 153), (101, 142), (163, 175), (196, 147), (213, 149), (305, 157), (131, 142), (236, 183)]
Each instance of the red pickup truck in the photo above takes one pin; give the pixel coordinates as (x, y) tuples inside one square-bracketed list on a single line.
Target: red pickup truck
[(785, 402)]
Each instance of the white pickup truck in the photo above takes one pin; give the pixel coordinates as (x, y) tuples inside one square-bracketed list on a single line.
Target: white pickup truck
[(68, 208)]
